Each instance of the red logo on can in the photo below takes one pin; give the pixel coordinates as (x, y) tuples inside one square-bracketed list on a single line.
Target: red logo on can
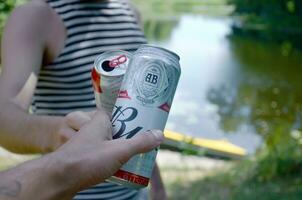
[(134, 178), (165, 107), (96, 80), (124, 94), (117, 61)]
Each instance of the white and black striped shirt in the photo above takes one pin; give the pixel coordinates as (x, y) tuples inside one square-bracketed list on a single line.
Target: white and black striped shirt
[(65, 84)]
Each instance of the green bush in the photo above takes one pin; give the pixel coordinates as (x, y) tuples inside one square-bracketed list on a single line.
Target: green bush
[(281, 157), (281, 13), (269, 7)]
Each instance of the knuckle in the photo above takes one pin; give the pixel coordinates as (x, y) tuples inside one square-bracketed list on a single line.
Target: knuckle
[(74, 114), (69, 117), (125, 155)]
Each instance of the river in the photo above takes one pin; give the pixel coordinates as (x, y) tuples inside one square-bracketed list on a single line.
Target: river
[(231, 87)]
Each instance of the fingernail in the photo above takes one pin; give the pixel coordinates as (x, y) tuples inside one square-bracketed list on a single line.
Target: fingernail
[(158, 134)]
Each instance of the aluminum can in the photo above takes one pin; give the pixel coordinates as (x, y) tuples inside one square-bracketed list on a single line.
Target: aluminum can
[(107, 76), (143, 104)]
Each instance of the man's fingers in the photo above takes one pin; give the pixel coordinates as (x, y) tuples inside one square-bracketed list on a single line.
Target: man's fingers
[(100, 126), (76, 120), (141, 143)]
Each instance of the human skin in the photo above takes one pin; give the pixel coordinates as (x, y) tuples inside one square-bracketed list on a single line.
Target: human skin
[(85, 160), (28, 44)]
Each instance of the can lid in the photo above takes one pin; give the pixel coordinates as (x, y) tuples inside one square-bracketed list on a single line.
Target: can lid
[(150, 47), (161, 53), (112, 63)]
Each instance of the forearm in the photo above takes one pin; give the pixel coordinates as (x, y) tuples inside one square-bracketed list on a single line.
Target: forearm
[(21, 132), (38, 179), (156, 180), (59, 175)]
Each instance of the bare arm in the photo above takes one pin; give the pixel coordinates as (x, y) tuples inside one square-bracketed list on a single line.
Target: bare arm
[(23, 47), (158, 191), (61, 174)]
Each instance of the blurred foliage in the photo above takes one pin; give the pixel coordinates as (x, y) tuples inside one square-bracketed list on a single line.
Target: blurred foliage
[(271, 102), (161, 17), (238, 183), (6, 5), (159, 30), (173, 8), (272, 20), (267, 99), (269, 8)]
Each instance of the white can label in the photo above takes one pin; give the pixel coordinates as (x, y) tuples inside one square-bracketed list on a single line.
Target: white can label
[(143, 104)]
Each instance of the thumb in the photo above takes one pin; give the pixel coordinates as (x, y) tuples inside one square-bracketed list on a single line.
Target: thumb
[(141, 143)]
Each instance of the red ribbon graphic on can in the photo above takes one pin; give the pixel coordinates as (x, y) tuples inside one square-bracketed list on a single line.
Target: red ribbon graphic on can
[(117, 61), (96, 79)]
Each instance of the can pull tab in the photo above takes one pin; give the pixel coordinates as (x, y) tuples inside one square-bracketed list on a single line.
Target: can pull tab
[(117, 61)]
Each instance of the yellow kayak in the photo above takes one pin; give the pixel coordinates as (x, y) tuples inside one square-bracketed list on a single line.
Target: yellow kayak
[(214, 148)]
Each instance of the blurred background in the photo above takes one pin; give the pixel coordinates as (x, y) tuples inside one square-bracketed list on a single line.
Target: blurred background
[(241, 82)]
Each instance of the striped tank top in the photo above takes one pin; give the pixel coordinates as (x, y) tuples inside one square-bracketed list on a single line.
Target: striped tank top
[(65, 85)]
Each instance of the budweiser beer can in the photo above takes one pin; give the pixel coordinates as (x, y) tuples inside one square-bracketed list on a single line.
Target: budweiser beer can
[(143, 104), (107, 76)]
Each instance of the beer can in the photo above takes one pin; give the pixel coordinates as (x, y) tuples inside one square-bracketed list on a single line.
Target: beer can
[(143, 104), (107, 76)]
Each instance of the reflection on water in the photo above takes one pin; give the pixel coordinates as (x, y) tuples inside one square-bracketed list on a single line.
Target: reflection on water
[(230, 87), (160, 30)]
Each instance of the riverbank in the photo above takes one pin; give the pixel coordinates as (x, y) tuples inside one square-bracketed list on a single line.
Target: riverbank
[(156, 9), (194, 178), (180, 171), (201, 178)]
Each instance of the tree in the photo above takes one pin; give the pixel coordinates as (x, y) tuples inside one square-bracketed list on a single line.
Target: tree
[(268, 99)]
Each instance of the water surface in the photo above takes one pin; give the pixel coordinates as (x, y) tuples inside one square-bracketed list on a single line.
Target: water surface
[(231, 87)]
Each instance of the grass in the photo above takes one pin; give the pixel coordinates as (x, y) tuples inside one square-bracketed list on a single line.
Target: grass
[(195, 2), (237, 183), (174, 8), (228, 180), (226, 187)]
